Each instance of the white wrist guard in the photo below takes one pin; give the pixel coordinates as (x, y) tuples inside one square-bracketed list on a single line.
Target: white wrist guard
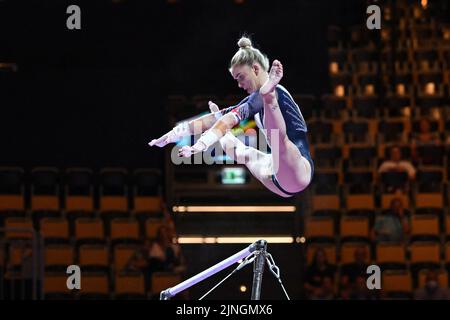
[(218, 115), (208, 138), (182, 130)]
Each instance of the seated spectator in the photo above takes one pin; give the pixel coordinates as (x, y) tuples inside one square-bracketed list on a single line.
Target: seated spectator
[(432, 290), (392, 225), (350, 272), (139, 260), (425, 137), (164, 253), (325, 291), (18, 278), (360, 291), (396, 164), (161, 255), (319, 277)]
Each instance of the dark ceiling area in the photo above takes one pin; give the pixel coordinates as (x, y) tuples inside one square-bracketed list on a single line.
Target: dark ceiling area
[(95, 97)]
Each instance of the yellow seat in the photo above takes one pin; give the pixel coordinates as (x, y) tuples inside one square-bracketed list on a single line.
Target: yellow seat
[(79, 203), (113, 178), (12, 179), (94, 284), (424, 225), (56, 283), (18, 228), (113, 203), (360, 201), (164, 280), (396, 281), (390, 253), (78, 191), (146, 189), (151, 227), (17, 252), (130, 284), (60, 256), (147, 204), (124, 229), (122, 256), (45, 177), (92, 256), (89, 229), (319, 228), (425, 252), (12, 202), (323, 202), (54, 228), (352, 227), (429, 200)]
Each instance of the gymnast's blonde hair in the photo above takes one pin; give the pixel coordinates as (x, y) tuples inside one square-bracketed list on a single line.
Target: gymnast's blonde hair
[(247, 55)]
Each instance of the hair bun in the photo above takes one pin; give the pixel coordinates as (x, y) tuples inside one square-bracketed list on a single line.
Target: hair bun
[(244, 43)]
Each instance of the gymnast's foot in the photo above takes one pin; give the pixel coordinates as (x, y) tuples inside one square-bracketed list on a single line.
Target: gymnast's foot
[(275, 75)]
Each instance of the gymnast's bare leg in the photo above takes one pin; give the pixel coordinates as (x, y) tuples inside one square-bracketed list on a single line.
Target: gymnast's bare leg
[(292, 170)]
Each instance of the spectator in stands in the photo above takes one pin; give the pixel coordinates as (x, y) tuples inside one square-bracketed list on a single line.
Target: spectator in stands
[(165, 254), (319, 277), (360, 291), (432, 290), (396, 164), (424, 137), (139, 260), (326, 290), (350, 272), (161, 255), (393, 224), (18, 278)]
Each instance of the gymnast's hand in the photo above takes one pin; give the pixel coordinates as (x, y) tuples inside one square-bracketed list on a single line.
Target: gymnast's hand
[(199, 146), (180, 131), (162, 141), (173, 135), (188, 151), (213, 107)]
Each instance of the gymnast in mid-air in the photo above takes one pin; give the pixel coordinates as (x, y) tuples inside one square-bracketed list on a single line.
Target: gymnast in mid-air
[(289, 168)]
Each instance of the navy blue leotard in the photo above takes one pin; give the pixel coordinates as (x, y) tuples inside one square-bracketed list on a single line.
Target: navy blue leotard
[(296, 129)]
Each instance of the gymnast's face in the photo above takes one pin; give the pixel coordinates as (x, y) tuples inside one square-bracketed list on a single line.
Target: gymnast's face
[(247, 76)]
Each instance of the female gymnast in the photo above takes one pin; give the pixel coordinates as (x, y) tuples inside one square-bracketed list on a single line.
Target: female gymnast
[(289, 168)]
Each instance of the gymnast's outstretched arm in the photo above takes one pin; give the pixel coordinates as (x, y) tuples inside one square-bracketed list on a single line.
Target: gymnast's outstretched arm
[(187, 128), (203, 123), (217, 131), (230, 117)]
